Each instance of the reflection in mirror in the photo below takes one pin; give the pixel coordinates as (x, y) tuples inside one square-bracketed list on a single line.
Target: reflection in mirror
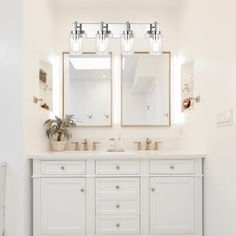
[(146, 90), (87, 88)]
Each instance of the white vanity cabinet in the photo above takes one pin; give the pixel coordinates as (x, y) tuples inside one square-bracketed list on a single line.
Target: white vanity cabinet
[(116, 195), (172, 205), (62, 206)]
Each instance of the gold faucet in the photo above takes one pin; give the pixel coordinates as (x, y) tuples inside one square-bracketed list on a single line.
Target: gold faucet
[(157, 146), (148, 142), (85, 143)]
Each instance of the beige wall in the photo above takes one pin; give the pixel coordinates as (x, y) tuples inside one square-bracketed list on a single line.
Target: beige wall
[(208, 36)]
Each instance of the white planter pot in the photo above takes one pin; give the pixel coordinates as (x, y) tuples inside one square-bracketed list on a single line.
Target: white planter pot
[(58, 146)]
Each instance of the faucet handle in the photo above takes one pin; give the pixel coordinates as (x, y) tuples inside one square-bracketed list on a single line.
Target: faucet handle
[(77, 148), (95, 146), (85, 141), (157, 146), (138, 145), (148, 140)]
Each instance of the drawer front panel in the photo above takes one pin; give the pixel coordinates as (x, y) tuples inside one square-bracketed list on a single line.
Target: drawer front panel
[(117, 225), (111, 207), (117, 167), (117, 188), (172, 167), (62, 167)]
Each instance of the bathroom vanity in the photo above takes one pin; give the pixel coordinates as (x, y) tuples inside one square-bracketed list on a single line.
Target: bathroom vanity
[(130, 193)]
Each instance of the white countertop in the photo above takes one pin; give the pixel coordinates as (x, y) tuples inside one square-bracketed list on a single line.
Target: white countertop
[(91, 155)]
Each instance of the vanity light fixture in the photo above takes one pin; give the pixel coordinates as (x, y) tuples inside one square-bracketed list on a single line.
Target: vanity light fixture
[(76, 36), (127, 40), (102, 39), (155, 39), (104, 34)]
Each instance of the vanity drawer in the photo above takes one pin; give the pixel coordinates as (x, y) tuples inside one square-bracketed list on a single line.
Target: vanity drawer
[(117, 225), (62, 167), (117, 207), (117, 189), (117, 167), (172, 167)]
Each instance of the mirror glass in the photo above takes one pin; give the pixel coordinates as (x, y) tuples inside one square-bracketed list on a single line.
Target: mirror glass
[(146, 90), (87, 89)]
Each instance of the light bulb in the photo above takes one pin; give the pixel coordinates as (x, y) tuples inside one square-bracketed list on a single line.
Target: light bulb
[(155, 39), (127, 46), (127, 40), (102, 45), (76, 46), (155, 45), (76, 38)]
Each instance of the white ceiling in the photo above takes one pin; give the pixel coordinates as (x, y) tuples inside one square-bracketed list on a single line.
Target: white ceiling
[(117, 3)]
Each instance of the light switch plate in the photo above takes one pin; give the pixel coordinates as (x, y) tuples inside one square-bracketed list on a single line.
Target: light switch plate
[(224, 118)]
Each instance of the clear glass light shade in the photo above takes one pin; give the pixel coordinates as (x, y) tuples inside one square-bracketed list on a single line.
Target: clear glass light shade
[(76, 45), (102, 45), (155, 45), (127, 46)]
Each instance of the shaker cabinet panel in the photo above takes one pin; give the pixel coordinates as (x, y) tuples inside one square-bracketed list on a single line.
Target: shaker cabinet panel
[(117, 188), (171, 167), (63, 167), (172, 205), (117, 167), (117, 225), (62, 206)]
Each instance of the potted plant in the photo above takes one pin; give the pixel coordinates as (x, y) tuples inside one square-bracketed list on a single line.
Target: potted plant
[(43, 76), (57, 131)]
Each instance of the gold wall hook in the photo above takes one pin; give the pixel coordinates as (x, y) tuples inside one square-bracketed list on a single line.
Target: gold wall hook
[(37, 100), (188, 102)]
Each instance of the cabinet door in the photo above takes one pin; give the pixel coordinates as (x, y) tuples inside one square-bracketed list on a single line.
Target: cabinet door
[(172, 205), (62, 206)]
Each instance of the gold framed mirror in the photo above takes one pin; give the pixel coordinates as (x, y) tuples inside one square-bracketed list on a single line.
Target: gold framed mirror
[(145, 90), (87, 88)]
